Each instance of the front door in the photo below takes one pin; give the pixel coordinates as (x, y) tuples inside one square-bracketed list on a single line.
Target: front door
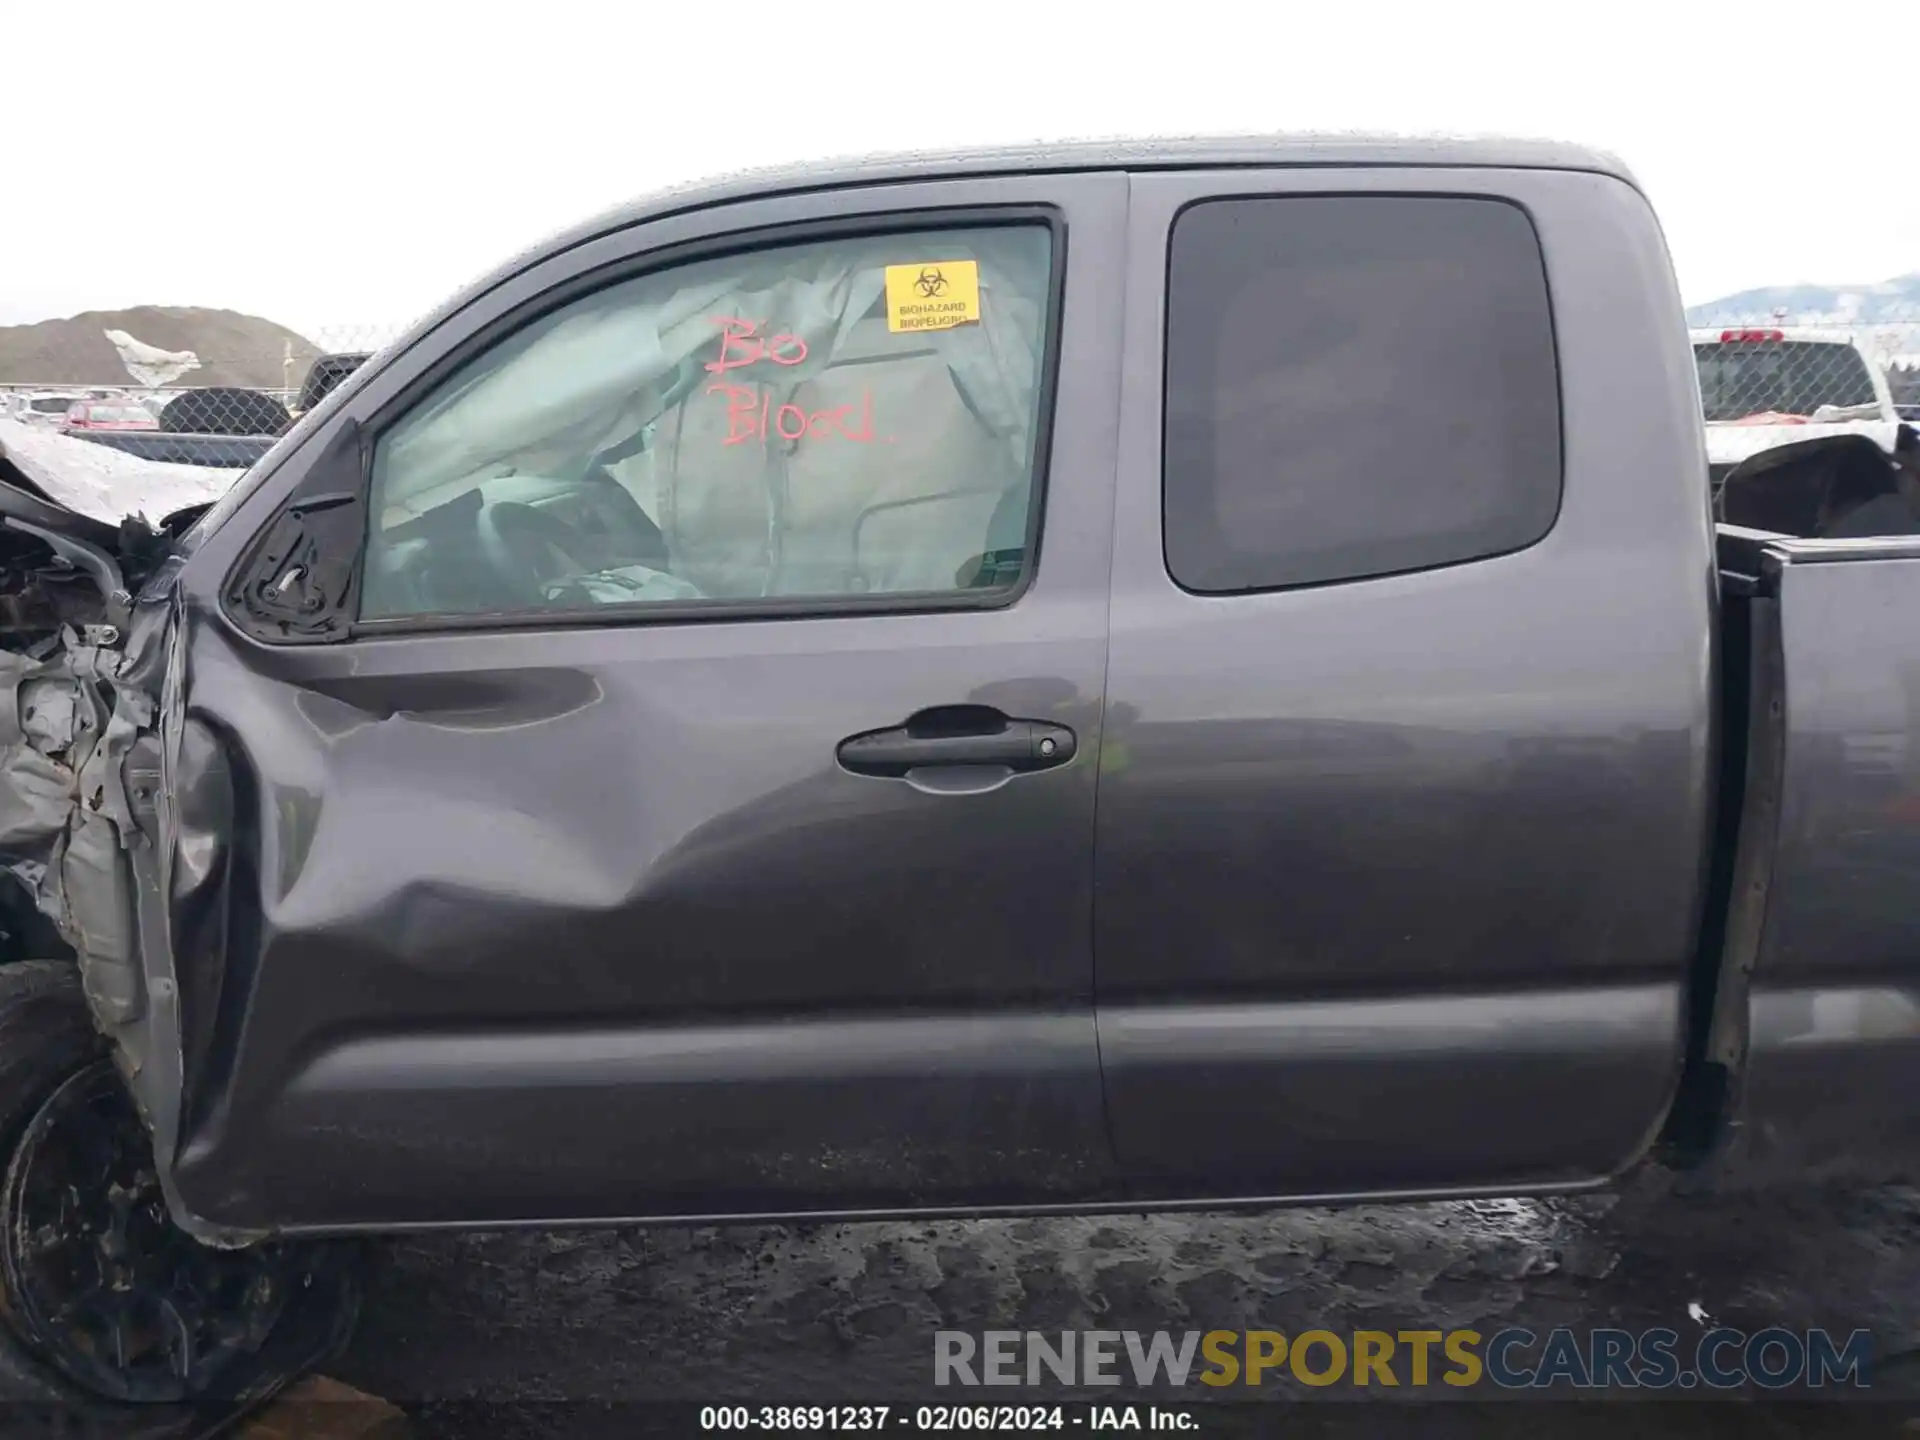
[(695, 813)]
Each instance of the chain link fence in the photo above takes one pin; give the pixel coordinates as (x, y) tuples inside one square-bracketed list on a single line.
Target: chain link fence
[(1853, 359), (212, 387), (185, 387), (1843, 368), (1780, 375)]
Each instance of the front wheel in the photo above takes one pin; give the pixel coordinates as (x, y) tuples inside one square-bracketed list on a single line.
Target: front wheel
[(95, 1279)]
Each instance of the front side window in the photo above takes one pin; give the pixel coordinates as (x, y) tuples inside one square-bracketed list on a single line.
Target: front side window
[(833, 419)]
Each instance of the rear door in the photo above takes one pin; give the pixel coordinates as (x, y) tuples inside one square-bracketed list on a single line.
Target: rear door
[(555, 889), (1405, 777)]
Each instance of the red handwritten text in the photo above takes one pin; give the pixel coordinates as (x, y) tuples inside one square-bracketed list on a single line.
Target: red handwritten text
[(752, 416), (741, 344)]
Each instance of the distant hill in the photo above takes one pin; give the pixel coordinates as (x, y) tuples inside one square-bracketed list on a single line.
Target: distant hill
[(1891, 302), (234, 349)]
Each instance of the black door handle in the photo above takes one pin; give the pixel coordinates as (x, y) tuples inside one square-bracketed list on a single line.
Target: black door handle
[(958, 735)]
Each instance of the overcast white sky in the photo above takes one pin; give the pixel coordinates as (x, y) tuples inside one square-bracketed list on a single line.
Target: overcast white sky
[(338, 163)]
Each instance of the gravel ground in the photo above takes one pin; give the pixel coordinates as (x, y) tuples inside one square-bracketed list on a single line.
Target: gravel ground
[(846, 1313)]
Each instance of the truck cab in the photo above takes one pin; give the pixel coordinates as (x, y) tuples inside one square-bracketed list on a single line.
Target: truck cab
[(1092, 678)]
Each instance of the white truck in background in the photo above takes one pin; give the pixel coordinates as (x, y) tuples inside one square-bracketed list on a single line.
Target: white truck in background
[(1768, 386)]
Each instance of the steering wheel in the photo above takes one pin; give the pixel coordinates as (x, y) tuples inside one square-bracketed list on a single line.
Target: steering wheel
[(525, 548)]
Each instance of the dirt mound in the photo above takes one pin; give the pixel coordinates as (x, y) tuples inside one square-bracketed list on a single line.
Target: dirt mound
[(234, 349)]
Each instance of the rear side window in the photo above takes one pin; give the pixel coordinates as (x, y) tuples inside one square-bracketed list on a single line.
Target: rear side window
[(1356, 386)]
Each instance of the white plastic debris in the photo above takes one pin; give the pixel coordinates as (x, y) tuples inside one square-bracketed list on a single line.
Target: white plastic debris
[(149, 364)]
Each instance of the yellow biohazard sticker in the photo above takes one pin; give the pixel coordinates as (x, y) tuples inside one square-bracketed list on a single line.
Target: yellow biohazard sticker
[(936, 295)]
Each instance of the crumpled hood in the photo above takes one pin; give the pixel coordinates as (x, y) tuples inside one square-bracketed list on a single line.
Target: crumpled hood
[(107, 485)]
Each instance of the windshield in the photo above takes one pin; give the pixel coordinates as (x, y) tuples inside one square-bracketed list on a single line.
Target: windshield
[(50, 404), (1741, 379), (117, 414)]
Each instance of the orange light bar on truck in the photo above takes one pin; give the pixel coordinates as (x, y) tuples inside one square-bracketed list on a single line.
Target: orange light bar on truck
[(1728, 337)]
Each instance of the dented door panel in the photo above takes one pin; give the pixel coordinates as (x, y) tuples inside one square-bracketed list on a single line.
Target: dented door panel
[(585, 926), (588, 923)]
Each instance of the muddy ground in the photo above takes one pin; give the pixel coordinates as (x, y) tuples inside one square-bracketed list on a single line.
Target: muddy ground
[(492, 1334)]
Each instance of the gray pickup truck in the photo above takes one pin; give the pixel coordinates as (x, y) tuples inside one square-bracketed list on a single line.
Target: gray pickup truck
[(1202, 674)]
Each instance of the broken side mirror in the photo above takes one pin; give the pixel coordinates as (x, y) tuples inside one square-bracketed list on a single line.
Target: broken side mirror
[(296, 584)]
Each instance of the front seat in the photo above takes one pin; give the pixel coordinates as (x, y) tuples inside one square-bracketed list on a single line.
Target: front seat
[(1005, 553)]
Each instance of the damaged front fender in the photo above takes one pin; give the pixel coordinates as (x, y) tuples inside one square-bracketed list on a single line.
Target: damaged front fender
[(74, 720), (84, 833)]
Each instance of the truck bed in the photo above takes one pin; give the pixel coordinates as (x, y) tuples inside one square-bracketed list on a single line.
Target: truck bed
[(1815, 1003)]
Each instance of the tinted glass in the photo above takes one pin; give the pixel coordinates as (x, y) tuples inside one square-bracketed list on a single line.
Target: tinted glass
[(1356, 385), (325, 377), (828, 420), (1743, 378)]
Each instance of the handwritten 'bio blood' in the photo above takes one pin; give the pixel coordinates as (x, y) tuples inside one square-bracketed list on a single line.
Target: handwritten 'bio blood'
[(741, 344), (752, 416)]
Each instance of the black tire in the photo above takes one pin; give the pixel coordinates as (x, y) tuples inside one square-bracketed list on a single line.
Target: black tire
[(46, 1034), (50, 1052)]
